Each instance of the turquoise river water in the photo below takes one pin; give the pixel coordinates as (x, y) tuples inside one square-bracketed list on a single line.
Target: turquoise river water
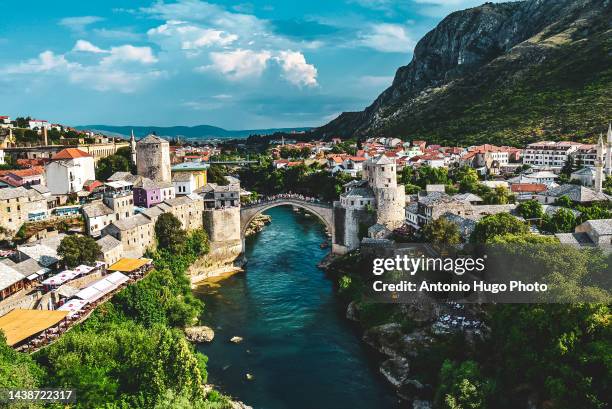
[(299, 348)]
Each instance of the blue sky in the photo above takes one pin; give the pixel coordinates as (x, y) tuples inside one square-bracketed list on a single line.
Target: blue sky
[(236, 65)]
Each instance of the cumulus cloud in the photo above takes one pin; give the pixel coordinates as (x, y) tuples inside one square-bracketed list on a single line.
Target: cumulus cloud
[(390, 38), (296, 70), (186, 36), (47, 61), (86, 46), (239, 64), (102, 76), (127, 53)]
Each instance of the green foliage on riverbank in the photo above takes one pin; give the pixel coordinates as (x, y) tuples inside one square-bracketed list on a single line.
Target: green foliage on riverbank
[(555, 354), (131, 352)]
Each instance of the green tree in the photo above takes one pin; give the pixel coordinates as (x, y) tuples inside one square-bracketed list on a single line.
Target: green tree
[(76, 249), (169, 232), (564, 201), (562, 221), (17, 370), (462, 386), (499, 195), (497, 224), (441, 231), (530, 209), (111, 164), (467, 179), (215, 174)]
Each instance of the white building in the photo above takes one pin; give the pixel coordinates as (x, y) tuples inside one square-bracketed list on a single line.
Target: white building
[(586, 176), (5, 121), (549, 154), (39, 124), (184, 183), (68, 170), (2, 157)]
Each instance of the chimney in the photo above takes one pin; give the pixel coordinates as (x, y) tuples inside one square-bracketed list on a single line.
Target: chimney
[(45, 135)]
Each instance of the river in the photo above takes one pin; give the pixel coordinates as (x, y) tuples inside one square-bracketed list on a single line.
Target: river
[(301, 351)]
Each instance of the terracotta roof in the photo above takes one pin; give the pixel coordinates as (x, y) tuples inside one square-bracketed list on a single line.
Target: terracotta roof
[(70, 153), (528, 187)]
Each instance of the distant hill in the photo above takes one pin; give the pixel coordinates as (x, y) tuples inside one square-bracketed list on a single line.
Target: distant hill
[(511, 72), (186, 132)]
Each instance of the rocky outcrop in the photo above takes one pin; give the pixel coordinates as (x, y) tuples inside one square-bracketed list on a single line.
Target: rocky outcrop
[(476, 52), (223, 258), (200, 334), (258, 224)]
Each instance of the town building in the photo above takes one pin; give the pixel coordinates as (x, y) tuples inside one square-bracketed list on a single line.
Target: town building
[(586, 176), (117, 204), (189, 176), (39, 124), (68, 171), (358, 195), (549, 154), (590, 233), (24, 177), (5, 122), (19, 205), (153, 158), (148, 193), (576, 193), (136, 234), (219, 197)]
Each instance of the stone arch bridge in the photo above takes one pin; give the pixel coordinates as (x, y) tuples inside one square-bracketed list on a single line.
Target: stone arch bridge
[(323, 211)]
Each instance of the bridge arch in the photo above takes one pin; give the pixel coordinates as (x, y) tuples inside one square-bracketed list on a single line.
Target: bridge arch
[(324, 212)]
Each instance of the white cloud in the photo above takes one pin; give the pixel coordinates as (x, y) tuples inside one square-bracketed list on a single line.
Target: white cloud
[(101, 76), (127, 53), (391, 38), (47, 61), (185, 36), (239, 64), (86, 46), (79, 23), (296, 70)]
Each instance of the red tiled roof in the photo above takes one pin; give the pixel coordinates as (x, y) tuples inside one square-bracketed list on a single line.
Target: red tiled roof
[(70, 153), (528, 188)]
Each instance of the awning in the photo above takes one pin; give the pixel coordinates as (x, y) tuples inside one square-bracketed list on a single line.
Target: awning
[(102, 287), (61, 278), (83, 269), (127, 265), (19, 325), (73, 306)]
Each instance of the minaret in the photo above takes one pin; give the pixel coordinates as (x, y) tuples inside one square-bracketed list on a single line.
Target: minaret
[(133, 147), (609, 151), (599, 162)]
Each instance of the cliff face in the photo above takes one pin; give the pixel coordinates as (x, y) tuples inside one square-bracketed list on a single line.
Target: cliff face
[(474, 60)]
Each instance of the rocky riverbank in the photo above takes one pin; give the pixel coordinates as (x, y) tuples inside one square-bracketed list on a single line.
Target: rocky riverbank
[(258, 224), (412, 339)]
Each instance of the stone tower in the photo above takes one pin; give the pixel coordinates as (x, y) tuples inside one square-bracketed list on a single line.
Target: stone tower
[(133, 147), (609, 151), (599, 163), (381, 175), (153, 158)]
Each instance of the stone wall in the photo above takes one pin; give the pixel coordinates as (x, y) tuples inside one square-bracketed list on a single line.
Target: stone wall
[(222, 224), (346, 227)]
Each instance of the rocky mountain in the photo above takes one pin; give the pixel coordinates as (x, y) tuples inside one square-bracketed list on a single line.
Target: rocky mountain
[(508, 72)]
